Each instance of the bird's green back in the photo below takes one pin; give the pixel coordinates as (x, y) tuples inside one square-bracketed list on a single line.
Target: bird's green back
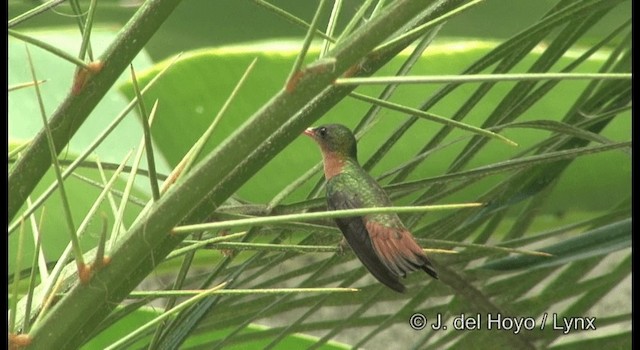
[(363, 191)]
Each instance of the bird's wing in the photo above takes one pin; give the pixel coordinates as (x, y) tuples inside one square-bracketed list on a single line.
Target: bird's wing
[(355, 232), (397, 249)]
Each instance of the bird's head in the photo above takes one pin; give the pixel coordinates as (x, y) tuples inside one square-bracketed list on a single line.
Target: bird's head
[(335, 139)]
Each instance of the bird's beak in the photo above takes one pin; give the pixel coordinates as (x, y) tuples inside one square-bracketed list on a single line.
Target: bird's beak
[(309, 132)]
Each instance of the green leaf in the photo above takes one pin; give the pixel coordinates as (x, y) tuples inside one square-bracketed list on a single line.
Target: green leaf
[(204, 338), (600, 241), (194, 90)]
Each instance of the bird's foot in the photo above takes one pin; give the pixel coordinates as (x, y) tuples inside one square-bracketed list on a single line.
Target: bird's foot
[(343, 247)]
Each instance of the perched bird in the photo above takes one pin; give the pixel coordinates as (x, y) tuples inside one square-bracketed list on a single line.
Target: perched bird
[(381, 242)]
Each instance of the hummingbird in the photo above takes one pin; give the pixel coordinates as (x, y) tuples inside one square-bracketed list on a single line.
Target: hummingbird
[(381, 241)]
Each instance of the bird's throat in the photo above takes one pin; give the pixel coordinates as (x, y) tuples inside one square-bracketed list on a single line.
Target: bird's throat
[(333, 164)]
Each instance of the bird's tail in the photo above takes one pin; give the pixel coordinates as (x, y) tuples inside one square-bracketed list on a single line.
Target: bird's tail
[(429, 269)]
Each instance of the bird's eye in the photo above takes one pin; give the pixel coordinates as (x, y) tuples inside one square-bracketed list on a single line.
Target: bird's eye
[(322, 131)]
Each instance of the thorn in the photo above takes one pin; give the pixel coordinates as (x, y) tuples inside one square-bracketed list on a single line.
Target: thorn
[(100, 263), (99, 260), (175, 174), (293, 82), (18, 341), (226, 252), (84, 273), (95, 67), (343, 246), (351, 71), (83, 75), (323, 65)]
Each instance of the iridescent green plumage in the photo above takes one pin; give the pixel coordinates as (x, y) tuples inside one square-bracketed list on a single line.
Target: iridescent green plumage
[(380, 241)]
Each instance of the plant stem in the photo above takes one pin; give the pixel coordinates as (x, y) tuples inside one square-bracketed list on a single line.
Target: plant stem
[(73, 111), (220, 174)]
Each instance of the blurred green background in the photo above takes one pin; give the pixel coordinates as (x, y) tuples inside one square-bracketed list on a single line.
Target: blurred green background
[(210, 74), (202, 23)]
